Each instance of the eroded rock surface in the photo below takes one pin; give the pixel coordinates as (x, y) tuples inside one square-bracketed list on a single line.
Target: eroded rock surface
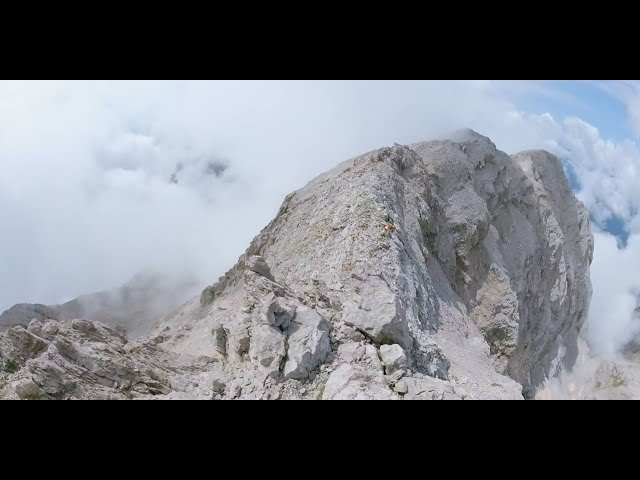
[(441, 270)]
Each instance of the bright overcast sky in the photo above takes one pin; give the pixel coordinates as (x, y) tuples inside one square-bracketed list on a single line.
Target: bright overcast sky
[(86, 201)]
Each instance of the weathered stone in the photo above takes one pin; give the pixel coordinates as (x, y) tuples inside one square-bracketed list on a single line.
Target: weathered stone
[(219, 339), (427, 388), (26, 389), (401, 387), (372, 359), (350, 382), (393, 358), (352, 334), (450, 396), (241, 341), (49, 330), (218, 386), (207, 296), (268, 347), (431, 361), (374, 313), (351, 352), (258, 265), (21, 344), (35, 327), (87, 360), (309, 343), (394, 377), (276, 312)]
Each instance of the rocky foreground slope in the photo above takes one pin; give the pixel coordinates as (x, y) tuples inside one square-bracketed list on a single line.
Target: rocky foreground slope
[(440, 270)]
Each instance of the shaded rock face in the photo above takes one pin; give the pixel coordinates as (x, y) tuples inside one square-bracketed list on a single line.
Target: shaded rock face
[(441, 270), (516, 248)]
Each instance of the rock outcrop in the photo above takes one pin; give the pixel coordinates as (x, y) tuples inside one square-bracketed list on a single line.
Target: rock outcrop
[(440, 270), (88, 360)]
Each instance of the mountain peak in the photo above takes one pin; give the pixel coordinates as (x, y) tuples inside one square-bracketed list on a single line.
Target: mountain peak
[(445, 269)]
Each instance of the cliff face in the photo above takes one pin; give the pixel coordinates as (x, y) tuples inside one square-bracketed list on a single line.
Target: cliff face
[(445, 269)]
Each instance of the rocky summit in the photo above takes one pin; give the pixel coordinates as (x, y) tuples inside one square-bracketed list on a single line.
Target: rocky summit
[(440, 270)]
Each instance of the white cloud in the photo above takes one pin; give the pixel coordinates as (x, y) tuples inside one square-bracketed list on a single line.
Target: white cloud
[(627, 92), (616, 285), (85, 196)]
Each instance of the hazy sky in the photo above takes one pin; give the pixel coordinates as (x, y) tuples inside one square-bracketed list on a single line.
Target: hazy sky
[(86, 199)]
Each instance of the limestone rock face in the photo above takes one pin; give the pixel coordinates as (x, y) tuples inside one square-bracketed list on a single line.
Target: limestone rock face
[(309, 344), (393, 358), (350, 382), (441, 270), (88, 360)]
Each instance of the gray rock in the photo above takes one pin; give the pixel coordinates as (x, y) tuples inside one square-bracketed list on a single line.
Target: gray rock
[(350, 382), (220, 339), (218, 386), (393, 358), (18, 345), (207, 296), (242, 341), (257, 264), (401, 387), (309, 343), (268, 348), (394, 377), (87, 360), (26, 389), (35, 327), (352, 334), (431, 361), (450, 396), (276, 312), (374, 312), (426, 388), (49, 330), (351, 352)]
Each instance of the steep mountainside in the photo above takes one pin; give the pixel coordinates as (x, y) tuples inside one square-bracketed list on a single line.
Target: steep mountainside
[(440, 270)]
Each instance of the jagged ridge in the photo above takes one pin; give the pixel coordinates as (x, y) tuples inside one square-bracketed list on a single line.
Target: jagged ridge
[(445, 269)]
